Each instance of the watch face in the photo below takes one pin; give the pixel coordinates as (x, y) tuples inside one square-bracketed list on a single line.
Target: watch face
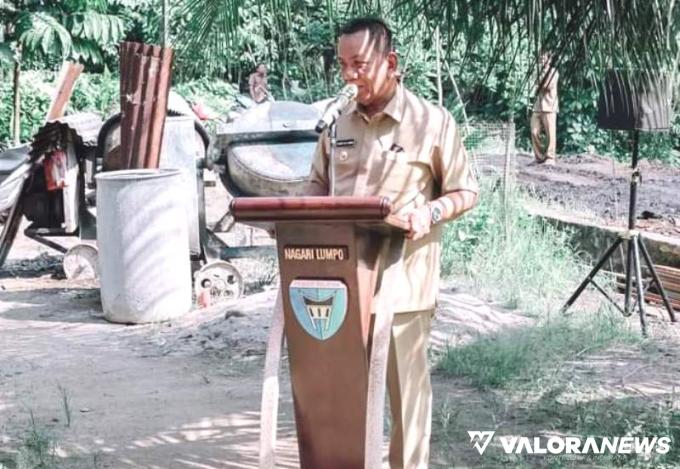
[(436, 215)]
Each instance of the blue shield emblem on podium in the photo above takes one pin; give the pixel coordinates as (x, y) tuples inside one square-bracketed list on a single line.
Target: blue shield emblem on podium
[(320, 306)]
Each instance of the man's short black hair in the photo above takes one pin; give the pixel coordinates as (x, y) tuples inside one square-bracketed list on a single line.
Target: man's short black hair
[(378, 31)]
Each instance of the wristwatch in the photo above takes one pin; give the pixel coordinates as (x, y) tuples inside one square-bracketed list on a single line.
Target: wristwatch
[(436, 213)]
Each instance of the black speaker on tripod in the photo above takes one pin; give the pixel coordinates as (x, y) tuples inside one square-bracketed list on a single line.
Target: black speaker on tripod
[(637, 101)]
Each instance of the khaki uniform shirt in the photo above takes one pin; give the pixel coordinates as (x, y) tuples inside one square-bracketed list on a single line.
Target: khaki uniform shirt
[(411, 153), (547, 101)]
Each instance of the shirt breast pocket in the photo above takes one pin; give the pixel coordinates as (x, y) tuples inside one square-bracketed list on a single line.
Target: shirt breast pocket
[(400, 171)]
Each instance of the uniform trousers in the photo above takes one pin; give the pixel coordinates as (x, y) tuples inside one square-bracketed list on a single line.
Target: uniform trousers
[(546, 123), (410, 390)]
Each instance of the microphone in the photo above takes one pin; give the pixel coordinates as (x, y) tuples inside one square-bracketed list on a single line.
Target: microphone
[(333, 110)]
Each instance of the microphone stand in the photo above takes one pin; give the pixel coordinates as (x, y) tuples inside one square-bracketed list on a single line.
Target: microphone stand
[(332, 133)]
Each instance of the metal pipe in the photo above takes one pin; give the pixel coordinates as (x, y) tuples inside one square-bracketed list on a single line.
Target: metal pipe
[(606, 295), (634, 180), (640, 293), (655, 276), (332, 132), (629, 279), (591, 275)]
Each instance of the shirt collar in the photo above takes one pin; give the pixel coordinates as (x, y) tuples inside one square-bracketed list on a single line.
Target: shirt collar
[(394, 107)]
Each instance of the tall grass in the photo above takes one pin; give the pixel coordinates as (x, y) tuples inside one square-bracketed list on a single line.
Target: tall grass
[(520, 260), (38, 448), (509, 255), (534, 355), (528, 373)]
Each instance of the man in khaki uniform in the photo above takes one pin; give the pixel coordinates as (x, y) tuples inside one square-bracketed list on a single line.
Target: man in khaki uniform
[(544, 115), (398, 145)]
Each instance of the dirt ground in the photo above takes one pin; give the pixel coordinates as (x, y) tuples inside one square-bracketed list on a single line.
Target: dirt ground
[(176, 395), (599, 187), (186, 394)]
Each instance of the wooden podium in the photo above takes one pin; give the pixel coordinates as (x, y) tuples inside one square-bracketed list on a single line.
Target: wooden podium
[(333, 252)]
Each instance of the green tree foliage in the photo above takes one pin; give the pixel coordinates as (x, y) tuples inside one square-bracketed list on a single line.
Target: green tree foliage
[(42, 33), (95, 92), (488, 49), (46, 32), (33, 105)]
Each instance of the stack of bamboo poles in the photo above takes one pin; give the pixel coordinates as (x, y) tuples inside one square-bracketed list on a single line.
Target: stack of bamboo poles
[(670, 279), (145, 72)]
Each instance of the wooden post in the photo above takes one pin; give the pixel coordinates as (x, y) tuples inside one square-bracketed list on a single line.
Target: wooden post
[(164, 26), (16, 122), (438, 46), (67, 79)]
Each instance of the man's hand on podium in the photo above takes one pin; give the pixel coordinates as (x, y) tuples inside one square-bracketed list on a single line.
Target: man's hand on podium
[(420, 221)]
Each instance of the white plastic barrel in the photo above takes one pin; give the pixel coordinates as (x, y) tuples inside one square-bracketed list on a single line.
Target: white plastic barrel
[(143, 241)]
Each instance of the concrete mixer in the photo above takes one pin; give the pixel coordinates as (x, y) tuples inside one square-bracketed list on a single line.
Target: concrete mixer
[(267, 151)]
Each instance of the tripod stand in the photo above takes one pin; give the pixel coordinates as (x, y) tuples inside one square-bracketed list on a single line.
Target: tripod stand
[(633, 267)]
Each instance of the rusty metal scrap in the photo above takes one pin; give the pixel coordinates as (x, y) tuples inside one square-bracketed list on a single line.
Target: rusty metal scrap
[(145, 73), (83, 126)]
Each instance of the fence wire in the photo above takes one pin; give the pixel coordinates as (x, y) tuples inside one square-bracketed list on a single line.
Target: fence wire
[(491, 147)]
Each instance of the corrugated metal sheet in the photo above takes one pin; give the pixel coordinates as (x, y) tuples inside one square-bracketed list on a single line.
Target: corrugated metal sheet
[(83, 126), (145, 72)]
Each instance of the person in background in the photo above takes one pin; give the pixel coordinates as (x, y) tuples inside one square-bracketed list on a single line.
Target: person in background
[(544, 115), (257, 84)]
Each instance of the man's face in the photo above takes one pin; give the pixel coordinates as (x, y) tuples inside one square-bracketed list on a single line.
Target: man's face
[(363, 64), (262, 69)]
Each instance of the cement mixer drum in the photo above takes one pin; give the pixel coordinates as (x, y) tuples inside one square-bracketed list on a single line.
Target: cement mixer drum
[(268, 151)]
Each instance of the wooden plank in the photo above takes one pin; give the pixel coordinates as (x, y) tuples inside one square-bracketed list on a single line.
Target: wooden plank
[(673, 295), (160, 108), (669, 287), (133, 109), (68, 76), (671, 282), (128, 51), (123, 59), (323, 208), (654, 298), (668, 270)]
